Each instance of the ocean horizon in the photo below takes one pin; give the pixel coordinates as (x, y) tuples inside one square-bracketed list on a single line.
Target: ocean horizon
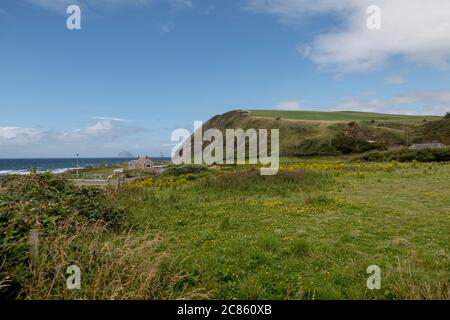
[(24, 166)]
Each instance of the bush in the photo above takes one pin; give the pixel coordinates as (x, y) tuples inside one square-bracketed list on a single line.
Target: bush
[(348, 145), (186, 169), (407, 155), (43, 202)]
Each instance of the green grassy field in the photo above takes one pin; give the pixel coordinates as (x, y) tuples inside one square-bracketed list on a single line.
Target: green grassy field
[(309, 232), (341, 116)]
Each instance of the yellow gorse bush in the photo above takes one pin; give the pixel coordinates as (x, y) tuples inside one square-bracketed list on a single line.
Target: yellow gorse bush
[(307, 166), (161, 182), (151, 182)]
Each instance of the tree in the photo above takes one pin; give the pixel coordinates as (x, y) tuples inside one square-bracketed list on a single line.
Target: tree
[(447, 116)]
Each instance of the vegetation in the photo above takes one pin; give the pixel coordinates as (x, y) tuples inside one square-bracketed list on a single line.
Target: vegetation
[(407, 155), (335, 133), (226, 232), (343, 116), (81, 226), (433, 131), (309, 232)]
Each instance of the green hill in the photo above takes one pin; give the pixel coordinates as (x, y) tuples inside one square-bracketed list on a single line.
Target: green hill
[(340, 116), (312, 133), (434, 131)]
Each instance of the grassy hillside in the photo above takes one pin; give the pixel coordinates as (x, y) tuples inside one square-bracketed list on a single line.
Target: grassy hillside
[(340, 116), (311, 133), (434, 131)]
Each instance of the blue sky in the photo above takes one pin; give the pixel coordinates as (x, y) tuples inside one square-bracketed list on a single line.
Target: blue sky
[(139, 69)]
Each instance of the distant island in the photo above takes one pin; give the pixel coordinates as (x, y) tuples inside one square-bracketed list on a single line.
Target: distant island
[(125, 154)]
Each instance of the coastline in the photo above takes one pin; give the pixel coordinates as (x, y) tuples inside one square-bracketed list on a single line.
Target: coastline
[(24, 166)]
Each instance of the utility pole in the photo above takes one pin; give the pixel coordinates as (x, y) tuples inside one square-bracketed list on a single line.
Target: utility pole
[(77, 164)]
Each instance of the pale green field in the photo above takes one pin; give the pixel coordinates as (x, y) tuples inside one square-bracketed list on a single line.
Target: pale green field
[(344, 116)]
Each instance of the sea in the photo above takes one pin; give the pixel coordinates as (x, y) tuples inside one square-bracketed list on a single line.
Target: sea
[(56, 165)]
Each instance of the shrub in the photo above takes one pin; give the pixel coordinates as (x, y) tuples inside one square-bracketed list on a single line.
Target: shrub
[(186, 169), (407, 155), (348, 145), (43, 202)]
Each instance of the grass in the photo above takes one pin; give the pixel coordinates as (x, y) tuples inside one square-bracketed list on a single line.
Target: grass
[(83, 227), (113, 266), (305, 133), (309, 232), (341, 116)]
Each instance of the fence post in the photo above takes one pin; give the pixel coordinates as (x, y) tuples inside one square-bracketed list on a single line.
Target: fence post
[(34, 245)]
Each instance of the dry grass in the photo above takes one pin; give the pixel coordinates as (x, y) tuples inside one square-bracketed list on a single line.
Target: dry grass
[(113, 266), (410, 286)]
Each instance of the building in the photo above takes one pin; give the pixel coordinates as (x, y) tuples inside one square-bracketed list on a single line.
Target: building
[(433, 145), (143, 163)]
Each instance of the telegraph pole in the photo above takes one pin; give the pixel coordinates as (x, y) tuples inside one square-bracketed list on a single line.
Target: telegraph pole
[(77, 164)]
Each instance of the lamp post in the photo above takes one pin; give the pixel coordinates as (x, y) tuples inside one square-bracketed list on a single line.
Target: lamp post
[(77, 164)]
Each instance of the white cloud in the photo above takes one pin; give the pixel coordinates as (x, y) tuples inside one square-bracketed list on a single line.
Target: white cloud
[(57, 5), (182, 4), (394, 79), (357, 104), (288, 105), (297, 9), (415, 102), (20, 136), (111, 118), (97, 133), (61, 5), (416, 30), (167, 27)]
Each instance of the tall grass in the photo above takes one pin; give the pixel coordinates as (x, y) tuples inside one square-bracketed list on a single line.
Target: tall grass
[(412, 285), (254, 182), (81, 227), (113, 266)]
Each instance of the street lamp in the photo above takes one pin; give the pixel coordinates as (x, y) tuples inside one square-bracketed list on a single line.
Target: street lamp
[(77, 164)]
